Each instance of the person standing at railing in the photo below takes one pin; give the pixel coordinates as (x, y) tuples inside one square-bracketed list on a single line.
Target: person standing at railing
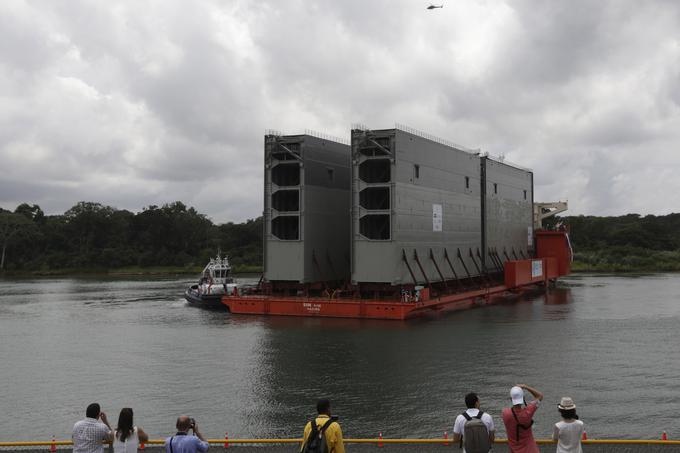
[(518, 420), (127, 436), (325, 435), (89, 433), (569, 431), (182, 442), (474, 428)]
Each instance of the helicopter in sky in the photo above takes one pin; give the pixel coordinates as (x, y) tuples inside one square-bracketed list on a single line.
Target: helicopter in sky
[(435, 6)]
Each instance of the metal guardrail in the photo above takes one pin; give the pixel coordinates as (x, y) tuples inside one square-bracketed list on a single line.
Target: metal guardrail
[(377, 441)]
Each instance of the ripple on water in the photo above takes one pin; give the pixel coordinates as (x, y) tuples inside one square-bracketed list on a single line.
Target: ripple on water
[(606, 340)]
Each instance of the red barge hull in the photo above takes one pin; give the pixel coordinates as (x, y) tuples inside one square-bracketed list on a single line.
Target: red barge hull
[(367, 308), (520, 276)]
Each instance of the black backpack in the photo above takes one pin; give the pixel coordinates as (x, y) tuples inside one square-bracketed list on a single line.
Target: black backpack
[(316, 441)]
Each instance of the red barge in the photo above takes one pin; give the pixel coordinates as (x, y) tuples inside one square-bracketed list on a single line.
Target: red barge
[(553, 260)]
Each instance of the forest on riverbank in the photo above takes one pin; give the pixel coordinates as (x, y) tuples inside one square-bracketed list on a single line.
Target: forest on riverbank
[(91, 237), (628, 243)]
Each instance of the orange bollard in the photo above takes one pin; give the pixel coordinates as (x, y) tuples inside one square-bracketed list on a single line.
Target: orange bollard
[(226, 440), (585, 436), (664, 436), (380, 444), (53, 446), (446, 436)]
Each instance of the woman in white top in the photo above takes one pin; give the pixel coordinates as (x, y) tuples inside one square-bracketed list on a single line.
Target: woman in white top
[(569, 431), (127, 436)]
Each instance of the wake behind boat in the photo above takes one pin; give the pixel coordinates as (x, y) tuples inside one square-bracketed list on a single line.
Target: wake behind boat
[(215, 282)]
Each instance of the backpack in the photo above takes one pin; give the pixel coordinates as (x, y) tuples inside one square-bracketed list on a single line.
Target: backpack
[(316, 441), (475, 434)]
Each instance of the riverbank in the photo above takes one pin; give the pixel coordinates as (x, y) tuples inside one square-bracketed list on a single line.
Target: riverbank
[(169, 271), (628, 264)]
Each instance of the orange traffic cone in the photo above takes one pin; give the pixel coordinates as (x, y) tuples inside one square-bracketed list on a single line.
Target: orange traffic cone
[(226, 440), (142, 446), (664, 436), (380, 443), (53, 446), (446, 437), (585, 436)]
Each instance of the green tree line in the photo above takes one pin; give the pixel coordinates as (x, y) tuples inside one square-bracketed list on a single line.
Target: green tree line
[(625, 243), (94, 237)]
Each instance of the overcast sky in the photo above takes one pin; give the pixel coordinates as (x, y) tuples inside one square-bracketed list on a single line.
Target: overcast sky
[(133, 103)]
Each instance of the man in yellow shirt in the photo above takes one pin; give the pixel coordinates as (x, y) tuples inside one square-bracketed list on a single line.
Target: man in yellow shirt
[(327, 426)]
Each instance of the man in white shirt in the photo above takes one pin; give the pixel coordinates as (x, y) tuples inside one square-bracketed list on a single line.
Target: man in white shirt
[(90, 433), (471, 417)]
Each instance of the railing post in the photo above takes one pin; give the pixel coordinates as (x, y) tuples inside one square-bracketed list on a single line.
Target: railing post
[(226, 440), (53, 446), (380, 443)]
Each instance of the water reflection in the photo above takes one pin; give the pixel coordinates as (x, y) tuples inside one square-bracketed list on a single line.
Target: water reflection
[(558, 303), (557, 296), (371, 370)]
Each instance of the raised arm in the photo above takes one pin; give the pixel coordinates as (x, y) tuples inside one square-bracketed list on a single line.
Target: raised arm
[(102, 417), (197, 433), (535, 393)]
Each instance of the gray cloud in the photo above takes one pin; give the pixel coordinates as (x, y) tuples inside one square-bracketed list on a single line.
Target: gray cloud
[(133, 104)]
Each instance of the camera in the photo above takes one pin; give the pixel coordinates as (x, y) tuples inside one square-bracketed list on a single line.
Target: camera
[(193, 422)]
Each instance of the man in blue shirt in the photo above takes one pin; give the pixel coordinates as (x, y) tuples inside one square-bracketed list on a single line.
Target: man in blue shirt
[(182, 442)]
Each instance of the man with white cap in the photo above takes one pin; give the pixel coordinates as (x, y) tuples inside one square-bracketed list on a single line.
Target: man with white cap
[(518, 419)]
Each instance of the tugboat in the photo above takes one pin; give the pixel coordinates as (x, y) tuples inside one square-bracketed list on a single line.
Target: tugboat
[(215, 282)]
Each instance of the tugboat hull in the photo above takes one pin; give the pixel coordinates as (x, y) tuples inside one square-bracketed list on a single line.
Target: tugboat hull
[(210, 301)]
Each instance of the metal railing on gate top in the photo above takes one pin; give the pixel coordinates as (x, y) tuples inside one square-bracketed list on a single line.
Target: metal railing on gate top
[(378, 441)]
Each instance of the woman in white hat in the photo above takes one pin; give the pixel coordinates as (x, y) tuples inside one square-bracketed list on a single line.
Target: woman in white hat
[(569, 430)]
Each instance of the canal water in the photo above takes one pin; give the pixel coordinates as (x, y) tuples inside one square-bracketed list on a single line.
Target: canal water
[(609, 342)]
